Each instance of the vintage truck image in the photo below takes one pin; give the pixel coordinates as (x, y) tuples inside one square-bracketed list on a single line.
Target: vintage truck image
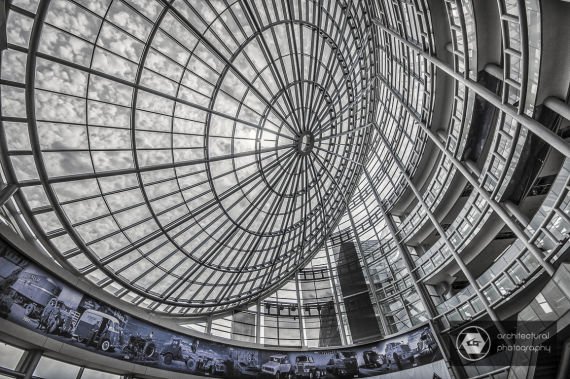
[(426, 347), (174, 351), (33, 292), (10, 268), (305, 367), (278, 366), (343, 364)]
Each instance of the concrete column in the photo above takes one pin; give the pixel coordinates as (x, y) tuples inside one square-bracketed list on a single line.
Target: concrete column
[(558, 106), (258, 323), (564, 368), (209, 324), (302, 333), (494, 70)]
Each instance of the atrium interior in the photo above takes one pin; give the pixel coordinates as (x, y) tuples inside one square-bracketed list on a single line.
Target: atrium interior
[(287, 189)]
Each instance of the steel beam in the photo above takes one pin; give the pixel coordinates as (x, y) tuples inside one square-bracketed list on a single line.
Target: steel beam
[(7, 192), (472, 281), (528, 123), (461, 167)]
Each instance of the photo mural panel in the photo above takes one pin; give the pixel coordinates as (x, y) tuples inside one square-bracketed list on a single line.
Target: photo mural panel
[(37, 300)]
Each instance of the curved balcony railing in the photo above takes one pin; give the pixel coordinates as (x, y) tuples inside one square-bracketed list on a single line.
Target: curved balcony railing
[(464, 52), (549, 229), (457, 132), (508, 140)]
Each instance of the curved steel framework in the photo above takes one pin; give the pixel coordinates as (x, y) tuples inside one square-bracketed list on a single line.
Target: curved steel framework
[(186, 156), (197, 157), (461, 218)]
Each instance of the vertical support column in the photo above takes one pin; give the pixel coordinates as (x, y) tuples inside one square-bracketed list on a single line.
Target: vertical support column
[(28, 363), (564, 368), (3, 24), (258, 323), (209, 325), (302, 333)]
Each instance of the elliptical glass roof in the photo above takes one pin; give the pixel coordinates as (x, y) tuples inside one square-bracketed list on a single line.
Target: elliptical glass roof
[(191, 156)]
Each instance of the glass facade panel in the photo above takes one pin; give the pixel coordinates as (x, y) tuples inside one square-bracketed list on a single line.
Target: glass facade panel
[(9, 356), (49, 368)]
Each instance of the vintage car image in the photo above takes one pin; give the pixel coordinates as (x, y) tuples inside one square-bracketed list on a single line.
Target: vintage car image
[(278, 366), (244, 364), (215, 366), (98, 329), (246, 369)]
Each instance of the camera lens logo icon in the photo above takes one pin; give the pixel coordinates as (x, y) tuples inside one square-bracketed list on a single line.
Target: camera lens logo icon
[(473, 343)]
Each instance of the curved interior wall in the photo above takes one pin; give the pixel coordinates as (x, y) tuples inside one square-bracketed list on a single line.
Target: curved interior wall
[(40, 301)]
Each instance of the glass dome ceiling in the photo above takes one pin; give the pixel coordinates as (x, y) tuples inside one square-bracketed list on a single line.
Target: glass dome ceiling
[(188, 156)]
